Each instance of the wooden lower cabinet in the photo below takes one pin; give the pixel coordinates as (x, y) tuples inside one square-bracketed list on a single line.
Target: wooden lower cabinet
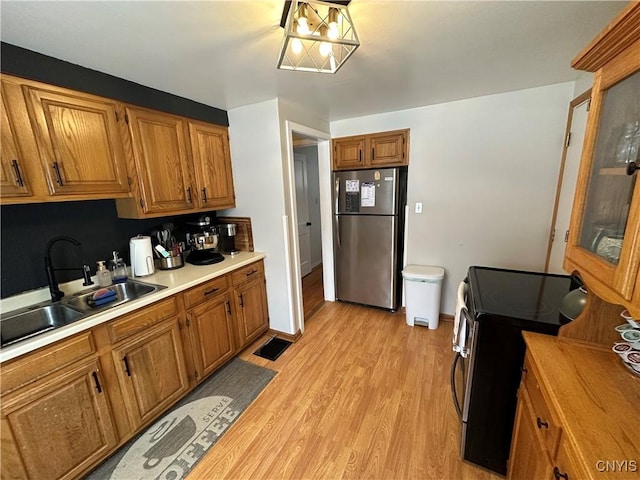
[(68, 406), (529, 458), (151, 371), (211, 330), (57, 427), (252, 316)]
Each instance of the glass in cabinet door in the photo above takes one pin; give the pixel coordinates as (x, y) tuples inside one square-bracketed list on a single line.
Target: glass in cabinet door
[(610, 189)]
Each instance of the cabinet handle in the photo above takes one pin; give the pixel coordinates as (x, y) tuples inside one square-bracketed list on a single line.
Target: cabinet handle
[(542, 424), (16, 171), (373, 153), (228, 307), (209, 292), (359, 156), (56, 168), (557, 475), (189, 199), (252, 272), (96, 380), (632, 167), (204, 195), (126, 366), (241, 301)]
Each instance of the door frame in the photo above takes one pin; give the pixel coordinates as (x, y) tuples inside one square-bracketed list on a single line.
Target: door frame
[(576, 102), (292, 257)]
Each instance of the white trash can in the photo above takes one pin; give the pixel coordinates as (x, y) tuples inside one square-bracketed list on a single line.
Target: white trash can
[(422, 288)]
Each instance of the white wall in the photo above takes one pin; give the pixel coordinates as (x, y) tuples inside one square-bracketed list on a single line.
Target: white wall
[(254, 137), (485, 170), (258, 143)]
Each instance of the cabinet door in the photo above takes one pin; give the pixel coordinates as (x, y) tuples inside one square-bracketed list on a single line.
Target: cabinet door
[(605, 223), (388, 150), (80, 146), (151, 371), (212, 165), (13, 181), (61, 426), (211, 330), (252, 315), (349, 153), (528, 458), (162, 162)]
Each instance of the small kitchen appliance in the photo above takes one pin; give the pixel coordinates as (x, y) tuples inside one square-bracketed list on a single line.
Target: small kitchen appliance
[(141, 253), (203, 241), (227, 233), (494, 306)]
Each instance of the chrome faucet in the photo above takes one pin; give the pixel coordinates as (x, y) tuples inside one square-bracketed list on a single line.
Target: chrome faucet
[(56, 293)]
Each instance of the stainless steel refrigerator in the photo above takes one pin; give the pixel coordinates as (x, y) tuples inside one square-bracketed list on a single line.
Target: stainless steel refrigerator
[(368, 235)]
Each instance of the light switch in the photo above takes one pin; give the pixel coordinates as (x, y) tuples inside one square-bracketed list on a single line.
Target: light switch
[(419, 207)]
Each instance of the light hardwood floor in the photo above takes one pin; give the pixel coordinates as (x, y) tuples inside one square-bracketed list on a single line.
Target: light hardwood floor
[(360, 395), (312, 292)]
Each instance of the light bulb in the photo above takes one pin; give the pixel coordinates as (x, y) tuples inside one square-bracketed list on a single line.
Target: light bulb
[(334, 32), (296, 46), (303, 26), (325, 48), (303, 23)]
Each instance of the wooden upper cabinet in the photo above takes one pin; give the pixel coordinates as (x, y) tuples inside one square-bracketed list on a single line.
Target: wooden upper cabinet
[(212, 165), (14, 180), (384, 149), (349, 152), (604, 239), (161, 161), (78, 138)]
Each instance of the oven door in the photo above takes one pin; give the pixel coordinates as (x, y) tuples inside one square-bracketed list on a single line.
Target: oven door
[(462, 367)]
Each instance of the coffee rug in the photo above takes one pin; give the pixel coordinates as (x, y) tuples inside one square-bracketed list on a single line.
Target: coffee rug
[(171, 447)]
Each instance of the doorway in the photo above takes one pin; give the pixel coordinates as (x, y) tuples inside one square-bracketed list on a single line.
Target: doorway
[(567, 178), (305, 159), (310, 248)]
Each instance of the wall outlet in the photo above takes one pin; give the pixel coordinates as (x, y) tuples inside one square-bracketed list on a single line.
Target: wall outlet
[(419, 207)]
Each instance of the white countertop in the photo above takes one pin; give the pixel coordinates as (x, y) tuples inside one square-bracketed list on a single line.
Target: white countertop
[(175, 281)]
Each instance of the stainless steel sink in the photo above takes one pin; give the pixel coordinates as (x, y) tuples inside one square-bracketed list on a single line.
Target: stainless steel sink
[(125, 292), (27, 322)]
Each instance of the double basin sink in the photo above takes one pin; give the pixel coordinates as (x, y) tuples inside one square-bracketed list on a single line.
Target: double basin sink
[(34, 320)]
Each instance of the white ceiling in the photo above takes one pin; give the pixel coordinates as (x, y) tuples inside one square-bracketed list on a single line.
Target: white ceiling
[(224, 53)]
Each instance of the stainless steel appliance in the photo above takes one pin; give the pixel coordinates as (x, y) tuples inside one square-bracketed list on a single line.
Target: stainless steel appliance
[(228, 238), (494, 306), (368, 235), (202, 238)]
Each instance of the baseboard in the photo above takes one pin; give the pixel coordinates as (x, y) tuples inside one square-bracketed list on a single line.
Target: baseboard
[(285, 336)]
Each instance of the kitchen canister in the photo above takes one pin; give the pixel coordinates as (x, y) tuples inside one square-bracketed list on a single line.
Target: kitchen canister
[(141, 256)]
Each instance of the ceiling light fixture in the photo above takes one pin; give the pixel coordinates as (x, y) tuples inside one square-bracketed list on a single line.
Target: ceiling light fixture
[(318, 36)]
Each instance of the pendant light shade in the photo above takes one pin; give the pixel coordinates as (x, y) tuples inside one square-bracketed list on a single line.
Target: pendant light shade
[(318, 37)]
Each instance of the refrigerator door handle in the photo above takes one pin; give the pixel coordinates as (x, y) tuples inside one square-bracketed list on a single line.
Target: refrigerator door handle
[(337, 226), (337, 195)]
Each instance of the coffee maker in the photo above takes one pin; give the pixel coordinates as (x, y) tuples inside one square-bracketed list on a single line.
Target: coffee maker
[(201, 237), (227, 232)]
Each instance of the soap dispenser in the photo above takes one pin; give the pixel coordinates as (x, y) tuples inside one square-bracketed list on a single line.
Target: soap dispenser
[(103, 275), (118, 269)]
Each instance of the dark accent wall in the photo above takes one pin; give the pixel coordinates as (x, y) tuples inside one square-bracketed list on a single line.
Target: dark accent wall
[(25, 229), (28, 64)]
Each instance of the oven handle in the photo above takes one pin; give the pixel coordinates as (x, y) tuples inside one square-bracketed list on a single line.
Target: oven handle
[(454, 394)]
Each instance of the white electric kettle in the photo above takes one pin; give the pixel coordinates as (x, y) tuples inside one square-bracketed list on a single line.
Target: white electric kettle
[(141, 256)]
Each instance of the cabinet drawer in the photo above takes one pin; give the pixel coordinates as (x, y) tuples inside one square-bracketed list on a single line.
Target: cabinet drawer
[(565, 463), (548, 428), (247, 273), (206, 291), (46, 360), (142, 319)]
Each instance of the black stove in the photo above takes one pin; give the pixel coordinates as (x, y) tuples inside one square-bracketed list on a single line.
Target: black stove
[(531, 297)]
